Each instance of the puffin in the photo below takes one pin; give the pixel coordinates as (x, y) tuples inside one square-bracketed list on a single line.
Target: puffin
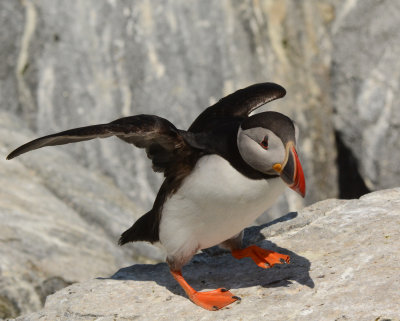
[(219, 175)]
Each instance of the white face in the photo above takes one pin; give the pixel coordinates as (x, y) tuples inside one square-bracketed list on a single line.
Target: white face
[(261, 149)]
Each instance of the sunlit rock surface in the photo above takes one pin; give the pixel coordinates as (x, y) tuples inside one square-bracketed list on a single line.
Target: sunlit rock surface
[(344, 266)]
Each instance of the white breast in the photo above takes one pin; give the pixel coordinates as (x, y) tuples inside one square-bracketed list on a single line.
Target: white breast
[(213, 204)]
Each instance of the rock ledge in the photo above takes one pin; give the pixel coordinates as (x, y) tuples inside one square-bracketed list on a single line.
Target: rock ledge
[(345, 266)]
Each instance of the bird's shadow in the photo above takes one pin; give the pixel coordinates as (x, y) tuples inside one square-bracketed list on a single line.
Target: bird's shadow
[(216, 268)]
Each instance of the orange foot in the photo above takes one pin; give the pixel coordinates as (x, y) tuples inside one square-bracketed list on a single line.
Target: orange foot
[(263, 258), (213, 300)]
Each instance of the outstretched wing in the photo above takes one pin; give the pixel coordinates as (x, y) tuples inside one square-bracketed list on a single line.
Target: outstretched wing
[(237, 105), (161, 139)]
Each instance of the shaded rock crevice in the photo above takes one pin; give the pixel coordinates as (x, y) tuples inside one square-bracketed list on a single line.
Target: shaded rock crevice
[(350, 181)]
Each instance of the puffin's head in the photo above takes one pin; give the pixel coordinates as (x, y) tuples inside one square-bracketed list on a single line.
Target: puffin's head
[(267, 142)]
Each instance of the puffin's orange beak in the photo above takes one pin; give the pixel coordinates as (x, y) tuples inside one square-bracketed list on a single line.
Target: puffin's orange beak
[(292, 172)]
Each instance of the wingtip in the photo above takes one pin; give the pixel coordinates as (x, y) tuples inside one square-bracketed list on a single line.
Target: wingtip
[(280, 90), (13, 154), (10, 156), (275, 90), (283, 90)]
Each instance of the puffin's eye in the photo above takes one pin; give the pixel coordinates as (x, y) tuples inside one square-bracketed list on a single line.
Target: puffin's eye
[(264, 143)]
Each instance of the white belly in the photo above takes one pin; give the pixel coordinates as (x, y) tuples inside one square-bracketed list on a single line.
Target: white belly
[(213, 204)]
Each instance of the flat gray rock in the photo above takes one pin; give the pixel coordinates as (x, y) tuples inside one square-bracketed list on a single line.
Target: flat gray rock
[(345, 261)]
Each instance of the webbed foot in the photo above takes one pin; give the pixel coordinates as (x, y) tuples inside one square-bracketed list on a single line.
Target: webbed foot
[(262, 257)]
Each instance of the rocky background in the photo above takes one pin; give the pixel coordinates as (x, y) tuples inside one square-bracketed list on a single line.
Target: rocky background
[(67, 64)]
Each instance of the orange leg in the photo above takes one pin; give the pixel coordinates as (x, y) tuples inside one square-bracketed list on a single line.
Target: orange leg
[(263, 258), (211, 300)]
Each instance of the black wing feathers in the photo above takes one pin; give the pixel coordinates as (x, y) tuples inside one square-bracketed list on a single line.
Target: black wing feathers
[(65, 137), (158, 136), (161, 139), (237, 105)]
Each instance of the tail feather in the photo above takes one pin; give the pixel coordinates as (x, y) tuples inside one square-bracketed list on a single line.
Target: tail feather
[(144, 229)]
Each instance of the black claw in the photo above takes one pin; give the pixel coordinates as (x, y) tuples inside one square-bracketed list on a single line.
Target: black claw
[(224, 290), (215, 308), (236, 298)]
